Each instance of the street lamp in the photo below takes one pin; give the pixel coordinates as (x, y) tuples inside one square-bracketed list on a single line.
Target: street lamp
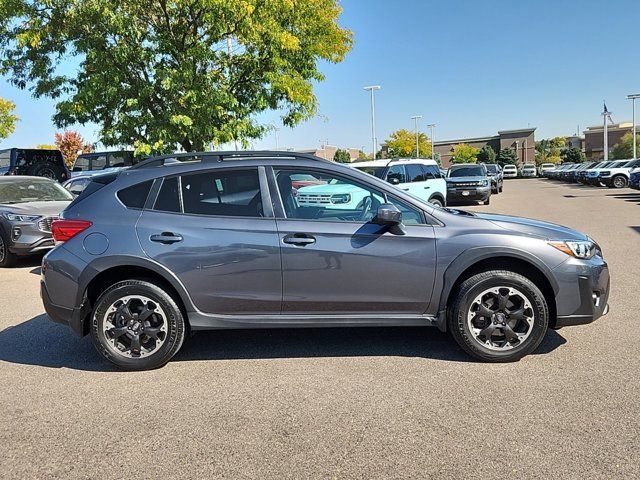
[(633, 102), (374, 141), (416, 118), (432, 126)]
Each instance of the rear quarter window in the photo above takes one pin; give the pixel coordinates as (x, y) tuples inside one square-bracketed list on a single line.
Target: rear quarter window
[(135, 196)]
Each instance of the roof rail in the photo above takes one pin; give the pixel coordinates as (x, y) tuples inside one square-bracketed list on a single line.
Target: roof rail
[(213, 157)]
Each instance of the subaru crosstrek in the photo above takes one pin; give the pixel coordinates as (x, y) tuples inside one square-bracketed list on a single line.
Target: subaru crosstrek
[(219, 240)]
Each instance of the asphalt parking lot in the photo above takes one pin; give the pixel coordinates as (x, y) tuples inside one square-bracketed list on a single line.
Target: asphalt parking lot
[(338, 403)]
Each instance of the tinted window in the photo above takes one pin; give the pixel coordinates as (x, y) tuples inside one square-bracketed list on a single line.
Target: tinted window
[(168, 198), (415, 173), (492, 168), (136, 195), (99, 162), (396, 172), (77, 186), (467, 171), (117, 159), (375, 171), (5, 158), (81, 164), (223, 192), (432, 171), (336, 199)]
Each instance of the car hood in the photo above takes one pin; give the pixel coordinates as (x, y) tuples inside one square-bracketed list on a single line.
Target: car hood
[(46, 209), (536, 228)]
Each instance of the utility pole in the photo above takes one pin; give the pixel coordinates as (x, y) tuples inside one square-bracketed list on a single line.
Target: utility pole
[(432, 126), (416, 118), (374, 140), (633, 102), (606, 115)]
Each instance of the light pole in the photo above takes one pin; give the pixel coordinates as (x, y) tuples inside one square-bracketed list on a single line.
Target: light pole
[(432, 126), (277, 132), (633, 102), (416, 118), (374, 141), (606, 114)]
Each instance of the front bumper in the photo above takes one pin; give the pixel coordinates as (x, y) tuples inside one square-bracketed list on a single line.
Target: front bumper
[(585, 300), (635, 186), (26, 238), (473, 194)]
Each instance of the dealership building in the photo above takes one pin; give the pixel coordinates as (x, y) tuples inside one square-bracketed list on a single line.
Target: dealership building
[(522, 141)]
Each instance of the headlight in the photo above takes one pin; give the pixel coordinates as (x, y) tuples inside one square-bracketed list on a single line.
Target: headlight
[(605, 173), (584, 249), (16, 217), (340, 198), (485, 183)]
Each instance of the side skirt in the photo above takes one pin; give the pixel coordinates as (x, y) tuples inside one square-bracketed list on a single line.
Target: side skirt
[(201, 321)]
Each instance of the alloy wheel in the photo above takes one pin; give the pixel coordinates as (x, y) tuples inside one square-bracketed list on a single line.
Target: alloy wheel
[(135, 326), (501, 318), (619, 182)]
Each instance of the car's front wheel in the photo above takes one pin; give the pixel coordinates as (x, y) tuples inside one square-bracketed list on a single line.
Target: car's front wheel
[(436, 201), (498, 316), (619, 181), (137, 325)]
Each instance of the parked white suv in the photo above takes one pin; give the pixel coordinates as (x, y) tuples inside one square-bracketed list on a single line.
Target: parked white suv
[(617, 176), (509, 171), (545, 167), (529, 170), (419, 177)]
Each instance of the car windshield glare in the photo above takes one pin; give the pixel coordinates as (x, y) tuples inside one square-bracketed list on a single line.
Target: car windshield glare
[(23, 191), (470, 171)]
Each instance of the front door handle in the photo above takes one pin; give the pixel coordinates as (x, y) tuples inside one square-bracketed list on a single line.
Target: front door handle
[(166, 237), (300, 239), (406, 189), (427, 187)]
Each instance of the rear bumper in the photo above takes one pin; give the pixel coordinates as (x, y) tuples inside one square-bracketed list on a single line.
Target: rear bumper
[(71, 317)]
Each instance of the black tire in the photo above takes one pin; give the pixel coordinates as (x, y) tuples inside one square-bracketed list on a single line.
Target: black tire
[(619, 181), (461, 305), (500, 189), (436, 201), (7, 259), (487, 201), (175, 331), (47, 170)]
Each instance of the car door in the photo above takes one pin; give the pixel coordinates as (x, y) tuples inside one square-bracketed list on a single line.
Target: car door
[(336, 260), (216, 232), (417, 184)]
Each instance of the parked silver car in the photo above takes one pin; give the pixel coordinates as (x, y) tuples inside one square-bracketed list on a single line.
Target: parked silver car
[(28, 207), (168, 247)]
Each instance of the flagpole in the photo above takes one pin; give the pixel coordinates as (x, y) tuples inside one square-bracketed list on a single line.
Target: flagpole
[(605, 115)]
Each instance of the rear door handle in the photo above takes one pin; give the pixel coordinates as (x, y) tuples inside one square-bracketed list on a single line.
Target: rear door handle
[(406, 189), (427, 187), (166, 237), (300, 239)]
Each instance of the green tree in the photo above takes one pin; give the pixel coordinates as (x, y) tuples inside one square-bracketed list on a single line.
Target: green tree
[(464, 153), (624, 148), (342, 156), (46, 146), (157, 74), (487, 155), (8, 119), (550, 150), (507, 156), (402, 144), (573, 155)]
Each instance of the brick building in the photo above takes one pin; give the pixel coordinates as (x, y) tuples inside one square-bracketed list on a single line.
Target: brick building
[(522, 141), (593, 142)]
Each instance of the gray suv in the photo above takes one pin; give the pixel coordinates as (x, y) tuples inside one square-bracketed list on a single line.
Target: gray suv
[(220, 240)]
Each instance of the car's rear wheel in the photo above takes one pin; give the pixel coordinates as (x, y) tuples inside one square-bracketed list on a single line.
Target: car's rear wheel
[(498, 316), (137, 325), (7, 259)]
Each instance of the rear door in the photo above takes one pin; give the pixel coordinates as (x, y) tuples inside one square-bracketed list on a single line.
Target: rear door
[(216, 232), (417, 184)]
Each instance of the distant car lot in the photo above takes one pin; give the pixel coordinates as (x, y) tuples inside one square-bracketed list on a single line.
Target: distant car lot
[(346, 403)]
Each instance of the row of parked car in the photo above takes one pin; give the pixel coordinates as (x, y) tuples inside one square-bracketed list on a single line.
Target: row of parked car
[(612, 174)]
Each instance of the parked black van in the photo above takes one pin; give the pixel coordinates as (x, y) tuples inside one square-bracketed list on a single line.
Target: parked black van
[(34, 162)]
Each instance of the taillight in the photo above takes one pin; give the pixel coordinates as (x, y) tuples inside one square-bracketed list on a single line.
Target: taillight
[(63, 230)]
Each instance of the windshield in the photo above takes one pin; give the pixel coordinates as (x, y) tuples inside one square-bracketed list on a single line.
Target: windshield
[(375, 171), (492, 169), (470, 171), (631, 163), (22, 191), (529, 167)]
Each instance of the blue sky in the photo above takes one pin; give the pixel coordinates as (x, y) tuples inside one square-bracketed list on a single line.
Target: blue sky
[(472, 67)]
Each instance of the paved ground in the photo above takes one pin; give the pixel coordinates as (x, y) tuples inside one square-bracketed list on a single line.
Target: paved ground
[(359, 403)]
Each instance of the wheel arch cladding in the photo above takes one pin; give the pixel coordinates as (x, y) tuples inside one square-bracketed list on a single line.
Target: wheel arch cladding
[(531, 268)]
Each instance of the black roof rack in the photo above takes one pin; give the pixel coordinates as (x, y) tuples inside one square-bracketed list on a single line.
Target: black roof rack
[(212, 157)]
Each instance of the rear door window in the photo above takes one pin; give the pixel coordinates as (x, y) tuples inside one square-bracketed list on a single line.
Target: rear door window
[(396, 172), (135, 196), (415, 173)]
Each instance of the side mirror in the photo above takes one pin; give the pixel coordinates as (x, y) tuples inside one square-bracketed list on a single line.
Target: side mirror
[(393, 180), (388, 215)]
